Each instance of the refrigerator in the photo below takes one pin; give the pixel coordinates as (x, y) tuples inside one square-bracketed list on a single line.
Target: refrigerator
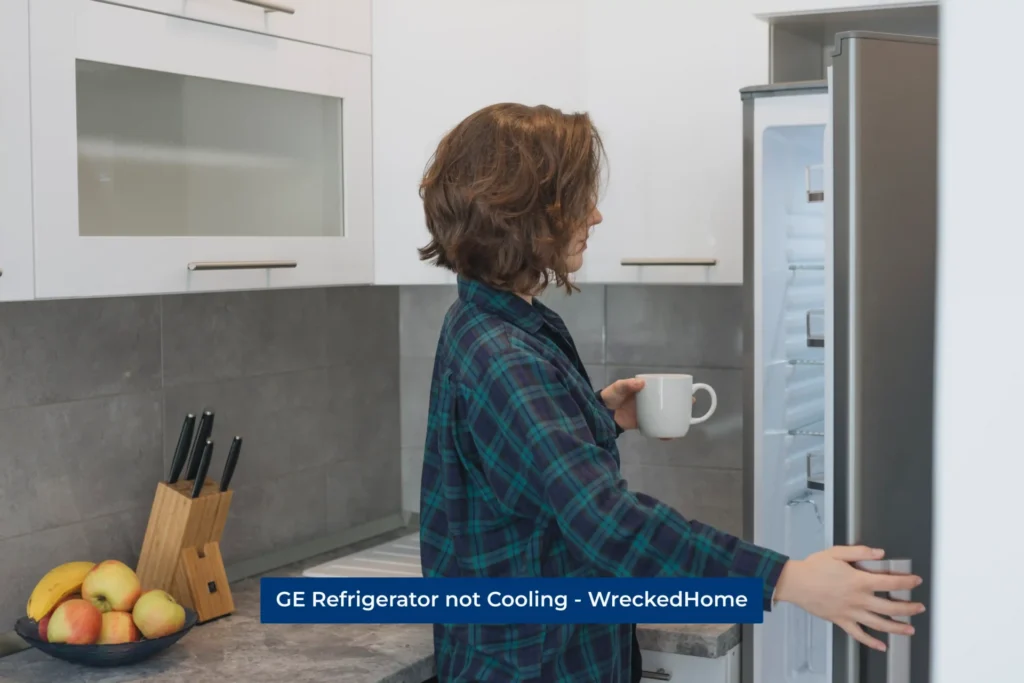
[(840, 213)]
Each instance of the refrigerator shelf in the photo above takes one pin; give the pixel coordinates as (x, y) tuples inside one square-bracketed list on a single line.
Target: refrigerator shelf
[(805, 361), (816, 428), (806, 266)]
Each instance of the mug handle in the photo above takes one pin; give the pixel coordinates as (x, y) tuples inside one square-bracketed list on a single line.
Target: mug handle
[(714, 403)]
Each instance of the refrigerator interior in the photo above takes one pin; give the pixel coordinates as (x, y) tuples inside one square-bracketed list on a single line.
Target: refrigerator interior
[(791, 226)]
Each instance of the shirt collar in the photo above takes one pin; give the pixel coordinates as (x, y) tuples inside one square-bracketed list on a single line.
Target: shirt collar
[(506, 305)]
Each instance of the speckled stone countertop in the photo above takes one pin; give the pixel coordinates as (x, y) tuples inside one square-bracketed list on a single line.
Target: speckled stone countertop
[(710, 641), (240, 648)]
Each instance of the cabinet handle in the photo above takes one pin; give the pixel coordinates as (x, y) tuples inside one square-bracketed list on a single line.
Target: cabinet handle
[(669, 261), (659, 675), (1, 272), (240, 265), (268, 6)]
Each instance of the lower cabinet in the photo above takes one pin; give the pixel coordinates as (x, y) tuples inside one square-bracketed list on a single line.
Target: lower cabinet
[(663, 666)]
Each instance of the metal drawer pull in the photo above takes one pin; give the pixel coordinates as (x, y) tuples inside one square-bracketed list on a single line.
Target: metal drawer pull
[(669, 261), (897, 665), (268, 6), (659, 675), (240, 265)]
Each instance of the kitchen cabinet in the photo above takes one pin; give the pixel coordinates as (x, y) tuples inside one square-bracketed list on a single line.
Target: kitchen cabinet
[(434, 64), (174, 155), (782, 7), (666, 666), (16, 265), (342, 24), (663, 82), (660, 79)]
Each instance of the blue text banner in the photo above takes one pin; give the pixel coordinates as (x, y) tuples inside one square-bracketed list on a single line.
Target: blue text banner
[(510, 601)]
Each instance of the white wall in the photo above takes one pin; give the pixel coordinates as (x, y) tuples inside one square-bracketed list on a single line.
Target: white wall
[(978, 599)]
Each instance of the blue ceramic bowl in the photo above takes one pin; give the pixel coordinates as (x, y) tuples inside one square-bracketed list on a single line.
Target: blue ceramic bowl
[(102, 655)]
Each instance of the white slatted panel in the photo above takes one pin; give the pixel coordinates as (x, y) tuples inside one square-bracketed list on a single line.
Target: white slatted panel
[(805, 385), (397, 558)]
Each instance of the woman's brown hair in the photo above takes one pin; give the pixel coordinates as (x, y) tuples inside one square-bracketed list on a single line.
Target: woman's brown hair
[(506, 191)]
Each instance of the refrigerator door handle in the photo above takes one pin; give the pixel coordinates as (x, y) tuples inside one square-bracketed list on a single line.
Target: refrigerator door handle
[(897, 666)]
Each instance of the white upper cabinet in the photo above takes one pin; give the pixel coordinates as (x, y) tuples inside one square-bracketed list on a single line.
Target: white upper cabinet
[(175, 155), (782, 7), (343, 24), (663, 82), (660, 78), (16, 282), (434, 64)]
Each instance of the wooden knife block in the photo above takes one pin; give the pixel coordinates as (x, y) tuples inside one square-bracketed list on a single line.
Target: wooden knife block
[(181, 549)]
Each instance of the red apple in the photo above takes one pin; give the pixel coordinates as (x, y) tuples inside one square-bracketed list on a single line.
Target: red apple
[(112, 586), (77, 622), (45, 621), (117, 627)]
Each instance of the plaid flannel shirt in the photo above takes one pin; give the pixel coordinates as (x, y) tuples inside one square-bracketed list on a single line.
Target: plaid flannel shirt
[(521, 479)]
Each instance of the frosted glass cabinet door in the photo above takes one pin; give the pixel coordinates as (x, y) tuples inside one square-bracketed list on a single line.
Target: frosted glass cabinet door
[(161, 142)]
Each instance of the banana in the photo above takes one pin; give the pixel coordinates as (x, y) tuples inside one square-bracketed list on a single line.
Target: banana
[(58, 583)]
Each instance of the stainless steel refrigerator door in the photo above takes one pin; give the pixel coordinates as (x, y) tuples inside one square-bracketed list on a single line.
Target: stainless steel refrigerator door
[(885, 125)]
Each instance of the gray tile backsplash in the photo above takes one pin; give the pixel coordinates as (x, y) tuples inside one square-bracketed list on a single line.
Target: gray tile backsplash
[(620, 331), (684, 326), (93, 392), (56, 351)]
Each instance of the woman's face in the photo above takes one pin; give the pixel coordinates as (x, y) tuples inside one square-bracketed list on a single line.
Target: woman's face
[(579, 242)]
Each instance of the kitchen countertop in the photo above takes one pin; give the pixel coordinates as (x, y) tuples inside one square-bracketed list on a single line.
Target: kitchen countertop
[(240, 648)]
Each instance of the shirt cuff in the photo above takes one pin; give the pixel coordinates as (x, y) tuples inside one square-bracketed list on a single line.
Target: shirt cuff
[(619, 431), (759, 563), (771, 579)]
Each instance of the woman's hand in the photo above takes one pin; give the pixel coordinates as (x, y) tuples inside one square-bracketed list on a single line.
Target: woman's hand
[(620, 397), (828, 586)]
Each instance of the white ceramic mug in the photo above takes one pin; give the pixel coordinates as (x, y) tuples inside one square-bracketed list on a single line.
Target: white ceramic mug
[(664, 407)]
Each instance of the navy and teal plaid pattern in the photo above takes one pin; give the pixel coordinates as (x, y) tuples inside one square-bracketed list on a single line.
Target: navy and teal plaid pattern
[(521, 479)]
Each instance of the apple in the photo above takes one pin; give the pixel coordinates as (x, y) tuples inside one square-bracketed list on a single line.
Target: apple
[(112, 586), (117, 627), (77, 622), (158, 614), (45, 621)]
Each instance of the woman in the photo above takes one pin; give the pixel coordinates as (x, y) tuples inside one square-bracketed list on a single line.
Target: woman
[(521, 472)]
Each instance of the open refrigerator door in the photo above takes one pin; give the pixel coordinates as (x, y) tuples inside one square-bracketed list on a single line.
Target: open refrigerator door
[(788, 454)]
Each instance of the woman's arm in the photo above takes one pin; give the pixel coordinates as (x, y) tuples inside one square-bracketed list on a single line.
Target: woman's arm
[(535, 446)]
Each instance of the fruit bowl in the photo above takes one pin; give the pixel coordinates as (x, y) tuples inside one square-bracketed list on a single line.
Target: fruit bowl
[(102, 655)]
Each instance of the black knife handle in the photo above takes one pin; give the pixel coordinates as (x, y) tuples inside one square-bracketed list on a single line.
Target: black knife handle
[(229, 466), (202, 434), (204, 467), (181, 450)]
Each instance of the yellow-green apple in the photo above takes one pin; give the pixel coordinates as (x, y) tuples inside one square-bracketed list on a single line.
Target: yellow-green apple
[(117, 627), (77, 622), (112, 586), (157, 614)]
